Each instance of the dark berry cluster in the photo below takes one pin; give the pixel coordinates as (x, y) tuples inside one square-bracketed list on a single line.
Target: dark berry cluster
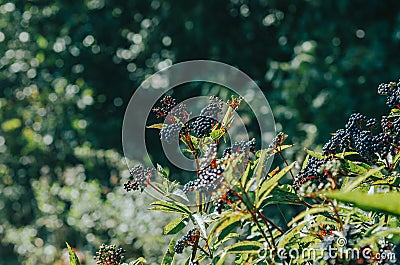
[(209, 156), (358, 135), (278, 140), (310, 172), (167, 104), (138, 178), (392, 92), (170, 133), (201, 126), (109, 255), (213, 109), (229, 197), (369, 146), (187, 240), (241, 147), (209, 178)]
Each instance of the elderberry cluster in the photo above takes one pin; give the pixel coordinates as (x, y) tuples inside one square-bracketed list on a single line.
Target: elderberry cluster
[(186, 240), (228, 198), (109, 255), (392, 92), (200, 126), (241, 147), (310, 172), (167, 104), (213, 109), (138, 178), (209, 178), (170, 133)]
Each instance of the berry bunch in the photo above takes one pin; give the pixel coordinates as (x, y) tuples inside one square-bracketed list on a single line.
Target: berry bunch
[(358, 135), (186, 240), (310, 172), (229, 197), (278, 140), (202, 126), (138, 178), (167, 104), (392, 92), (209, 156), (241, 147), (209, 178), (213, 109), (170, 133), (109, 255)]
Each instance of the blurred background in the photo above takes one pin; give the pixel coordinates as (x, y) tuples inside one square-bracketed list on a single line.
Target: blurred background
[(69, 68)]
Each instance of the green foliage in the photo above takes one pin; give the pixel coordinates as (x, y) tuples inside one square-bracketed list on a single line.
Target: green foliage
[(73, 258), (68, 69)]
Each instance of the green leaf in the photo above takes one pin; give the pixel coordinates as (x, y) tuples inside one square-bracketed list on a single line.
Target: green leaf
[(303, 166), (285, 239), (220, 259), (396, 160), (314, 154), (73, 258), (161, 171), (157, 126), (175, 225), (170, 207), (310, 211), (217, 134), (249, 247), (138, 261), (379, 202), (200, 222), (268, 185), (169, 254), (225, 225), (356, 182)]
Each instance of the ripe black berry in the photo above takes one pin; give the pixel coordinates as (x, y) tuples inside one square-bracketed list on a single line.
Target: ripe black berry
[(138, 178), (186, 240), (209, 178), (170, 133), (109, 255), (167, 103), (213, 109)]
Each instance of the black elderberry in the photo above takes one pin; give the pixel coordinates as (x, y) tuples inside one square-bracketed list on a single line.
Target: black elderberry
[(213, 109), (138, 178), (170, 133), (187, 240), (209, 178), (109, 255), (203, 125), (241, 147), (167, 104)]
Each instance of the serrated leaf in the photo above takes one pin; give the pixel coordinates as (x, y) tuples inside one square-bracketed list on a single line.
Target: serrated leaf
[(217, 134), (268, 185), (138, 261), (249, 247), (169, 254), (356, 182), (73, 258), (378, 202), (181, 194), (200, 223), (310, 211), (175, 225), (285, 239), (396, 160), (303, 166), (314, 154), (220, 259), (225, 225), (170, 207), (161, 171), (157, 126)]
